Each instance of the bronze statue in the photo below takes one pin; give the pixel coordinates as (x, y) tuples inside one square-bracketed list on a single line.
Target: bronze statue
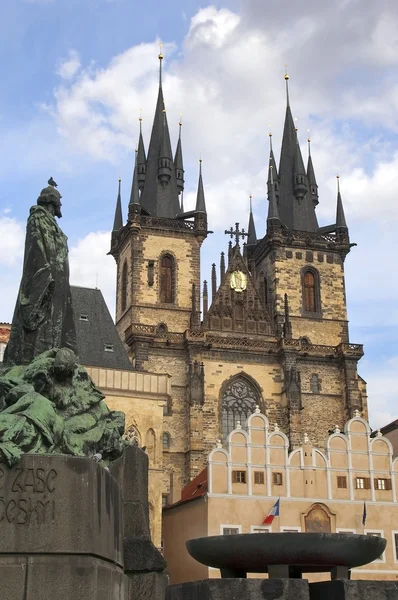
[(43, 317)]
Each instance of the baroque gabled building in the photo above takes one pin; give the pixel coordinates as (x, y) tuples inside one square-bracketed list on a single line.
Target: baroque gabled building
[(271, 330)]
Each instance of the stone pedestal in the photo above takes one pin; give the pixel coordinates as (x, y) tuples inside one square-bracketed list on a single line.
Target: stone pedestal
[(242, 589), (143, 563), (354, 590), (60, 531)]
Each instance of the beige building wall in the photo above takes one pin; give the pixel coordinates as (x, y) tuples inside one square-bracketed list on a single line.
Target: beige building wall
[(141, 396), (320, 490)]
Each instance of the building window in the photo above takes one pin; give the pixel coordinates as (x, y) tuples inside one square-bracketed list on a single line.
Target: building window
[(166, 440), (315, 389), (362, 483), (260, 529), (311, 294), (383, 484), (238, 476), (108, 347), (83, 318), (132, 435), (124, 286), (239, 401), (291, 529), (342, 481), (277, 478), (166, 279), (166, 408), (259, 477), (230, 530)]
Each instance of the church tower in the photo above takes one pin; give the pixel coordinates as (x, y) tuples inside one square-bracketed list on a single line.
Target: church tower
[(271, 330)]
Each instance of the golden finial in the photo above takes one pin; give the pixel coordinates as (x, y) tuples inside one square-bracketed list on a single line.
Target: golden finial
[(250, 200), (180, 121), (286, 74), (309, 138), (160, 57), (140, 117), (338, 182), (119, 180)]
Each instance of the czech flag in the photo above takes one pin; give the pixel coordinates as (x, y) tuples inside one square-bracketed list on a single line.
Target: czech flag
[(274, 512)]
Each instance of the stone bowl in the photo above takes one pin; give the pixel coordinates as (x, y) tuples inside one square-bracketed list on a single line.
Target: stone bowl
[(312, 552)]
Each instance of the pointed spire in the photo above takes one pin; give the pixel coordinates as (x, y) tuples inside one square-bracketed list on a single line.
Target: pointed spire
[(300, 183), (213, 281), (200, 198), (118, 221), (340, 216), (252, 237), (273, 213), (205, 299), (135, 190), (272, 164), (287, 86), (160, 194), (141, 158), (222, 267), (311, 176), (178, 163)]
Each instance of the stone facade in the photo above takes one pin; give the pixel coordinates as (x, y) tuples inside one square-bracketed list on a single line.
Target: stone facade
[(320, 490)]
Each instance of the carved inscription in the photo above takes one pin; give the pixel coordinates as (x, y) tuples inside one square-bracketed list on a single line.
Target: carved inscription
[(27, 496)]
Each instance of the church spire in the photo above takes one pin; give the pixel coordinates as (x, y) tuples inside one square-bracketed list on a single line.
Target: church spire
[(135, 190), (141, 159), (272, 164), (273, 219), (160, 195), (178, 163), (340, 216), (311, 176), (200, 198), (252, 237), (118, 221), (296, 208)]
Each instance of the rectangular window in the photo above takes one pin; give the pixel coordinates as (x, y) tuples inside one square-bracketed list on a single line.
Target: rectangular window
[(291, 529), (342, 481), (83, 317), (382, 484), (230, 530), (108, 347), (277, 478), (238, 476), (259, 477), (261, 530), (362, 483)]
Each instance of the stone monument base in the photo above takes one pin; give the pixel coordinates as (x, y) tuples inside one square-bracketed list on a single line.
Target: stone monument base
[(64, 577), (242, 589), (354, 590)]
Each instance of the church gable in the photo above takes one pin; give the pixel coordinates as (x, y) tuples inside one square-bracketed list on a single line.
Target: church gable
[(237, 306)]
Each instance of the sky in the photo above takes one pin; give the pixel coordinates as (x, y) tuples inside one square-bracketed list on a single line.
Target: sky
[(75, 74)]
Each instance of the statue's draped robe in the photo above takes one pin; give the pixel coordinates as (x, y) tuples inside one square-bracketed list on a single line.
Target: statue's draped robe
[(43, 315)]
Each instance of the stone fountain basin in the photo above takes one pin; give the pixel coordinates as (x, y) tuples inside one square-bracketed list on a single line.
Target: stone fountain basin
[(254, 552)]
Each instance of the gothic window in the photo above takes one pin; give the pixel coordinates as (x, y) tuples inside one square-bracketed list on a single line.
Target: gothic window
[(132, 435), (238, 403), (124, 286), (166, 279), (311, 296)]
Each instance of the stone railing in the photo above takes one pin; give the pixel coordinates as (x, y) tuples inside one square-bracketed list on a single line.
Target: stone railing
[(164, 223)]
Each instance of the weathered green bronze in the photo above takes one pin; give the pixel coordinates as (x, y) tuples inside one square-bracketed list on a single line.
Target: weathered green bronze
[(43, 316), (48, 403)]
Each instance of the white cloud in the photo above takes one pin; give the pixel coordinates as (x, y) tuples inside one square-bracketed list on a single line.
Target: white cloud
[(12, 236), (68, 67), (90, 267)]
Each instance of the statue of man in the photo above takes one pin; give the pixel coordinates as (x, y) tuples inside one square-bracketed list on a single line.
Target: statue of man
[(43, 317)]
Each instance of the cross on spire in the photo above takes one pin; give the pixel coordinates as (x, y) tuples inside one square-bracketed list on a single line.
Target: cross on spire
[(236, 233)]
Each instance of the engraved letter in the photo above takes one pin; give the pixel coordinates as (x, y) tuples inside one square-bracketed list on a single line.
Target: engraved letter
[(9, 511), (16, 486), (50, 480), (40, 482)]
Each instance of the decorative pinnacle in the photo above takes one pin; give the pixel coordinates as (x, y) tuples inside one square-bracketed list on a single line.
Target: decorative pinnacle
[(250, 200), (180, 121), (309, 142), (270, 138), (160, 57), (338, 182), (287, 85), (119, 180)]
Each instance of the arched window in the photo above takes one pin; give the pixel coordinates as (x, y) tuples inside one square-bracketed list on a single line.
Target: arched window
[(166, 440), (311, 296), (238, 403), (166, 279), (124, 286), (132, 435)]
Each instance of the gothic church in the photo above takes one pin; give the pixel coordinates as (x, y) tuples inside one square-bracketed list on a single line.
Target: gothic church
[(272, 334)]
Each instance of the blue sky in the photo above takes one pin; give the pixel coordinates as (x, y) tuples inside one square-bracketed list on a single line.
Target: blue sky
[(75, 74)]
